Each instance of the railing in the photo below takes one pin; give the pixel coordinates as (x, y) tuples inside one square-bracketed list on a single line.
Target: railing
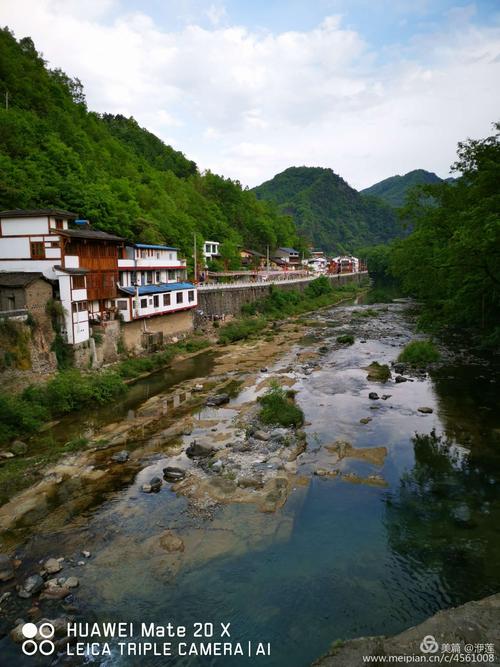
[(19, 314), (263, 283)]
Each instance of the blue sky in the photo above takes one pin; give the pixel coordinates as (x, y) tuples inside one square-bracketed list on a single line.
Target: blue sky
[(368, 88)]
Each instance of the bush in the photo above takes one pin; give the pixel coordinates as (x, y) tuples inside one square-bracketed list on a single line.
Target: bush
[(241, 329), (419, 352), (318, 287), (345, 339), (278, 407), (63, 352), (70, 390), (131, 368), (19, 416)]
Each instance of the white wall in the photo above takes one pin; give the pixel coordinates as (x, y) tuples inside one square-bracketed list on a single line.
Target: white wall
[(45, 266), (65, 296), (16, 226), (15, 248), (161, 310)]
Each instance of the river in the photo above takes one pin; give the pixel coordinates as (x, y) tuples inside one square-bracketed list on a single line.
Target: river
[(376, 549)]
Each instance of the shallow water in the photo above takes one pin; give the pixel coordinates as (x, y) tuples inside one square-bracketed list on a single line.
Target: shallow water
[(340, 559)]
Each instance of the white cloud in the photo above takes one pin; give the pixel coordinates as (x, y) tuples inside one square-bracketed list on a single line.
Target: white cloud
[(216, 14), (251, 103)]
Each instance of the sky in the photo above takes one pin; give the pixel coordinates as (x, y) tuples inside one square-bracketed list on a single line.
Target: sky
[(247, 88)]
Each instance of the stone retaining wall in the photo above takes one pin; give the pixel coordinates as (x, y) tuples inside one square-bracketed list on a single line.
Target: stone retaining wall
[(222, 302)]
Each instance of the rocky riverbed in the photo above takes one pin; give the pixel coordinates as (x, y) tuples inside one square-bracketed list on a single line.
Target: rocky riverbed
[(192, 495)]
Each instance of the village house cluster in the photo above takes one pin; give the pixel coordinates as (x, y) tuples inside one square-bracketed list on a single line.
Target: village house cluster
[(49, 256), (97, 277)]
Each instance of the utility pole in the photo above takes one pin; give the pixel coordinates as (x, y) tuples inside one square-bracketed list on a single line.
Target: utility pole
[(268, 259), (195, 260)]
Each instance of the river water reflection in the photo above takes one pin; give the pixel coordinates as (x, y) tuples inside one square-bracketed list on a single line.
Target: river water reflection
[(340, 559)]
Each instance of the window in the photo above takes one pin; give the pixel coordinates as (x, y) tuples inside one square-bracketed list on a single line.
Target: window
[(79, 306), (78, 282), (191, 295), (157, 277), (180, 297), (12, 302), (144, 303), (133, 277), (149, 277), (122, 304), (166, 299), (59, 223), (156, 301), (53, 244), (37, 250)]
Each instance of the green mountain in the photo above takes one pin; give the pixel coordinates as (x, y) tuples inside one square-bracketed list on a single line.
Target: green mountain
[(327, 211), (54, 152), (393, 190)]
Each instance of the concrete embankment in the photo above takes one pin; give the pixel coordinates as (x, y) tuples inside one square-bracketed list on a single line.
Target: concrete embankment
[(469, 626)]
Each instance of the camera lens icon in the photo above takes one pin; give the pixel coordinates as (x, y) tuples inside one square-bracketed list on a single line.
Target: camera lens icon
[(45, 631)]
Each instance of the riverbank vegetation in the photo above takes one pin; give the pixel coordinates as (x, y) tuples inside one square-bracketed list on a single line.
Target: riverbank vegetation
[(451, 260), (23, 414), (280, 304), (71, 389), (318, 294)]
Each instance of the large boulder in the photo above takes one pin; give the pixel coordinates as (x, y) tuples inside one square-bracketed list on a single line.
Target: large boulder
[(52, 566), (171, 542), (154, 485), (31, 586), (218, 399), (199, 450), (6, 568), (173, 474), (120, 457), (19, 447)]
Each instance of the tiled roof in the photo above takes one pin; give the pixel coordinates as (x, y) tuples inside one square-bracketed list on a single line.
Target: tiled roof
[(153, 247), (73, 272), (19, 278), (89, 234), (35, 212)]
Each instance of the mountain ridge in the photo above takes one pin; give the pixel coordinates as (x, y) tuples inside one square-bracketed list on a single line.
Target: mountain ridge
[(328, 211), (393, 190)]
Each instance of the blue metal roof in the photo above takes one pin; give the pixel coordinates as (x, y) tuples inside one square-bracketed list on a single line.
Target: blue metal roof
[(154, 247), (157, 289)]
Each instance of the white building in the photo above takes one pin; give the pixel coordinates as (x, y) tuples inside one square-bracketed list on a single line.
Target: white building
[(316, 264), (31, 241), (210, 250), (153, 281)]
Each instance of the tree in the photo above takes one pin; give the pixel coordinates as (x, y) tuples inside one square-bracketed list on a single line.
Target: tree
[(451, 261)]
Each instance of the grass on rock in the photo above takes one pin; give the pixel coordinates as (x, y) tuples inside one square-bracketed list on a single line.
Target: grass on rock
[(278, 407)]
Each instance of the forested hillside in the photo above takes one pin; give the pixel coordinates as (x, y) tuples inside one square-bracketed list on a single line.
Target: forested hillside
[(328, 211), (393, 190), (54, 152), (451, 260)]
